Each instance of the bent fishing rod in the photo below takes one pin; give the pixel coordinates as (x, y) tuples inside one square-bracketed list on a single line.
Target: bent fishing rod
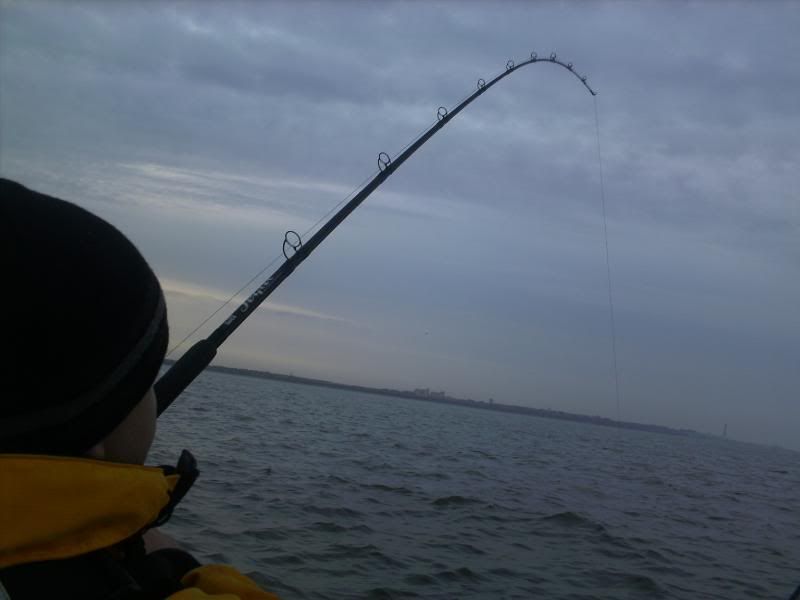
[(295, 251)]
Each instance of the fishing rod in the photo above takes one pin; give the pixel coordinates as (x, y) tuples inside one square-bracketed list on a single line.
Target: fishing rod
[(295, 251)]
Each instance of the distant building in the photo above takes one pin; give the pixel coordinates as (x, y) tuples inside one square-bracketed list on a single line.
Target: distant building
[(437, 394), (422, 392)]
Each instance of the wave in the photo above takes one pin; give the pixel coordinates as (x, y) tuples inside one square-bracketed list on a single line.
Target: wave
[(333, 511), (573, 519), (460, 574), (388, 488), (389, 594), (327, 526), (455, 501)]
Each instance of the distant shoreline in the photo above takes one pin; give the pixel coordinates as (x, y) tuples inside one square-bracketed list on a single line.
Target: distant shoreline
[(443, 399)]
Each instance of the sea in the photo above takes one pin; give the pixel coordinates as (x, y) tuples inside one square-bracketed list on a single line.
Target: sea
[(324, 493)]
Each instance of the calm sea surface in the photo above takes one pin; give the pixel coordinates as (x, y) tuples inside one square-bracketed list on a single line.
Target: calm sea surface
[(321, 493)]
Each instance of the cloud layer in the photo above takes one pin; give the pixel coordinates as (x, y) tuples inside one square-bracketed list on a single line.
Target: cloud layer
[(205, 131)]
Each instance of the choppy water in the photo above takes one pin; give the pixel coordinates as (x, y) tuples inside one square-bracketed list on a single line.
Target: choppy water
[(321, 493)]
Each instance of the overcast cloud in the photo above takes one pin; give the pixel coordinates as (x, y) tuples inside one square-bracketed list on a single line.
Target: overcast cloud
[(204, 131)]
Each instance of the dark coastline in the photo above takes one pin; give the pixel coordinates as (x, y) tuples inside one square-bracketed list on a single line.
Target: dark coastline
[(495, 406)]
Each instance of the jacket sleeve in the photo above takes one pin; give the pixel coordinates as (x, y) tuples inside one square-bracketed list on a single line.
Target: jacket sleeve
[(220, 582)]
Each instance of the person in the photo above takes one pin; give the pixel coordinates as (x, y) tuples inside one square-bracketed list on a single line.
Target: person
[(85, 333)]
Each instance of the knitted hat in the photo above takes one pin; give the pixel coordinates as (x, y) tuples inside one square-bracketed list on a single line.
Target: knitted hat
[(84, 325)]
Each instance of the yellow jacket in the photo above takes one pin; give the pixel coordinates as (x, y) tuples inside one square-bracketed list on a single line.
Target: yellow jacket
[(54, 508)]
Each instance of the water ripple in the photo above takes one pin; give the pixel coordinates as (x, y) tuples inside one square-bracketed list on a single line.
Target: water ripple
[(328, 494)]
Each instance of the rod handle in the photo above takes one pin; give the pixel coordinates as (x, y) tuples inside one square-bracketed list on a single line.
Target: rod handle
[(183, 372)]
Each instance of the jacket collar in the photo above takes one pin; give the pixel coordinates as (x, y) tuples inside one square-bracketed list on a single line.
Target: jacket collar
[(54, 507)]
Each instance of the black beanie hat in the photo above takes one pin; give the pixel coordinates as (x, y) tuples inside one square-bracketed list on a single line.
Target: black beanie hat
[(85, 327)]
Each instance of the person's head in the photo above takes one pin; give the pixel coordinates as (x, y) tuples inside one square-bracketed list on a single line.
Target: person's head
[(84, 334)]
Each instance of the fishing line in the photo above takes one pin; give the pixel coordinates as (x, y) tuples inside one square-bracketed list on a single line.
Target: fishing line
[(221, 306), (443, 112), (305, 234), (270, 264), (608, 259), (296, 250)]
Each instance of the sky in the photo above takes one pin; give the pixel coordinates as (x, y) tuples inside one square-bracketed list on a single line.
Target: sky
[(206, 130)]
